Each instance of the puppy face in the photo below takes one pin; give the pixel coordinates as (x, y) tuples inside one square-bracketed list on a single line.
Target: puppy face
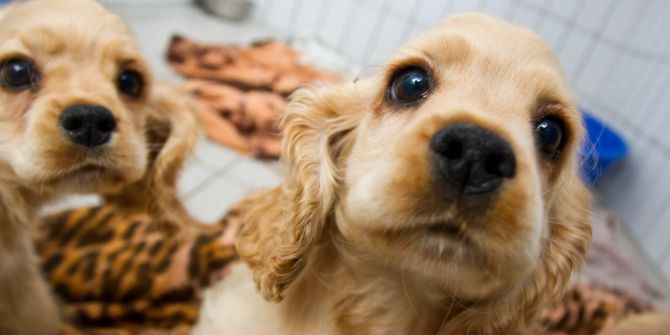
[(458, 165), (464, 141), (73, 90)]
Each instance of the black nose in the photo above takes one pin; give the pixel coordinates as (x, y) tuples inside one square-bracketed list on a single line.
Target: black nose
[(88, 125), (472, 160)]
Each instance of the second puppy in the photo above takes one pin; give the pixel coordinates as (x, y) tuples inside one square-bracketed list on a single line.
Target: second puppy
[(78, 114)]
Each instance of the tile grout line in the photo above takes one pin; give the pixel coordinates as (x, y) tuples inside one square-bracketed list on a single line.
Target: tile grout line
[(211, 176)]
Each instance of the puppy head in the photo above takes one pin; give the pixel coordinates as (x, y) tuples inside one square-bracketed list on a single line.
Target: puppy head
[(458, 164), (74, 93)]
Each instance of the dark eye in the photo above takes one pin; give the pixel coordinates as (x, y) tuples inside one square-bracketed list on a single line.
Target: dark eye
[(130, 83), (550, 133), (17, 74), (409, 85)]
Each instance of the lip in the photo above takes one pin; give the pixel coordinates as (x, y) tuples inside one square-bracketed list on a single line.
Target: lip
[(430, 235), (83, 171), (442, 240), (89, 168), (434, 231), (446, 229)]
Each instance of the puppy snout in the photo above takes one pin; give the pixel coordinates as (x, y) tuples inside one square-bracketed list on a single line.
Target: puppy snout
[(471, 159), (88, 125)]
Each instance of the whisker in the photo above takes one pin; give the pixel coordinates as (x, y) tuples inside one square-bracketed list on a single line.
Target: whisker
[(404, 286)]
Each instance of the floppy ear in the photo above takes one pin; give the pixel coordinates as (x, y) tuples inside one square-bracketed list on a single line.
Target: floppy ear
[(171, 130), (282, 225), (569, 237)]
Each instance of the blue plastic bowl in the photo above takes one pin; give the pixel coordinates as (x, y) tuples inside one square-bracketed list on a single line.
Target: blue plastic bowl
[(602, 148)]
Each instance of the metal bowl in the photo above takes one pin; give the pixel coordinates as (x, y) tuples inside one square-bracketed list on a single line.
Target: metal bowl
[(235, 10)]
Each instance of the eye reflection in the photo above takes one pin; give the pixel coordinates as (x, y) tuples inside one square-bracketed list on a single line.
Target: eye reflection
[(549, 133)]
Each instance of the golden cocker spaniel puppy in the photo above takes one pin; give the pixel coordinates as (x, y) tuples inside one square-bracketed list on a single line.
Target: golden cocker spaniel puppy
[(78, 113), (441, 197)]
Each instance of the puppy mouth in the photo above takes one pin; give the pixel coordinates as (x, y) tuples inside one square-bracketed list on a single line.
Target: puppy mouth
[(90, 168), (440, 240), (88, 171), (444, 229), (436, 239)]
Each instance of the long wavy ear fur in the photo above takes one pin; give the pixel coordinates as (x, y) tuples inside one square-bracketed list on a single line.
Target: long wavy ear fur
[(565, 248), (172, 130), (282, 225)]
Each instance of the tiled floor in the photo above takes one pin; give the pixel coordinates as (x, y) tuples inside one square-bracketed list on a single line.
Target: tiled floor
[(216, 177)]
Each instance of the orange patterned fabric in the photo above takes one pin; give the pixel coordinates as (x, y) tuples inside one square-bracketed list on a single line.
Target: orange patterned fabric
[(119, 273), (242, 89)]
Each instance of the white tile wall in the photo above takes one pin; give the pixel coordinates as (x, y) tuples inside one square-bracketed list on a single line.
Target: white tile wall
[(615, 52)]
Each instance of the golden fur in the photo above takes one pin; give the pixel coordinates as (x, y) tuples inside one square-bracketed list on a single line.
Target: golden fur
[(652, 323), (79, 49), (340, 244)]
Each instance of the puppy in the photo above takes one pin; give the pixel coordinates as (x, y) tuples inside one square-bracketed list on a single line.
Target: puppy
[(441, 197), (78, 113)]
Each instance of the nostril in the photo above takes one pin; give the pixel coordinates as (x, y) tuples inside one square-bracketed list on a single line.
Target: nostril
[(453, 150), (507, 168), (107, 125), (500, 164), (71, 123), (492, 165)]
